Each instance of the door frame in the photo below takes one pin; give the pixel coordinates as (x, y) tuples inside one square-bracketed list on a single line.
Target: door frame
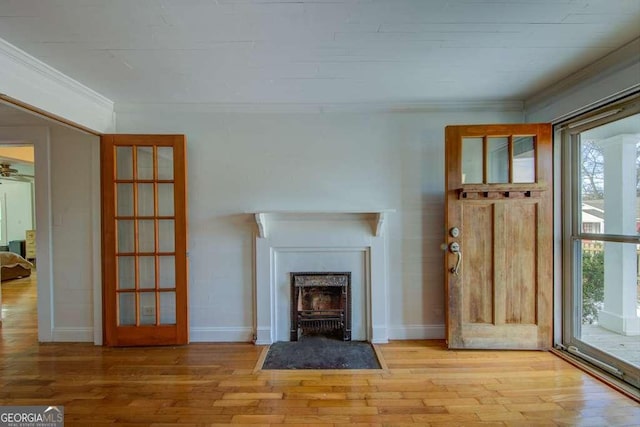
[(567, 254), (39, 136)]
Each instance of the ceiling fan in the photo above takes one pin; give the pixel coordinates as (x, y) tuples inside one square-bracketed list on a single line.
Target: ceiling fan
[(11, 174)]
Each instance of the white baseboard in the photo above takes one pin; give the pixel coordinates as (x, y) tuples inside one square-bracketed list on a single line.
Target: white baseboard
[(379, 335), (263, 336), (245, 334), (416, 332), (221, 334), (62, 334)]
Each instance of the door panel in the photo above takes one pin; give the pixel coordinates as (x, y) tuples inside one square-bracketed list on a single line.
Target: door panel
[(520, 271), (498, 194), (478, 264), (144, 240)]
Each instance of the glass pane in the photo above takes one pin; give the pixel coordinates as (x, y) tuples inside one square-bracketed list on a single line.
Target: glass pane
[(472, 160), (609, 178), (145, 200), (165, 199), (524, 159), (165, 162), (147, 272), (498, 160), (146, 236), (167, 308), (147, 308), (125, 199), (124, 162), (610, 299), (125, 236), (167, 271), (126, 272), (127, 309), (145, 162), (166, 235)]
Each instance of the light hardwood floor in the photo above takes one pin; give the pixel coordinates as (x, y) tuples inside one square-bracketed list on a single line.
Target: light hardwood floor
[(209, 384)]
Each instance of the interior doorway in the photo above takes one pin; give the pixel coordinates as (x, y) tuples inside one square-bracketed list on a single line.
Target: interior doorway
[(67, 216), (18, 236)]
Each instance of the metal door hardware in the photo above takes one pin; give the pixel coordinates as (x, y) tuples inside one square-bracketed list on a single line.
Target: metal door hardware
[(454, 248)]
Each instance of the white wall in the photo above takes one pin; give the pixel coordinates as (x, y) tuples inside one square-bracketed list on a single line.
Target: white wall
[(19, 205), (252, 162), (71, 189)]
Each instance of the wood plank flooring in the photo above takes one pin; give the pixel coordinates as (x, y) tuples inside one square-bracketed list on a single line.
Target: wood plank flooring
[(215, 384)]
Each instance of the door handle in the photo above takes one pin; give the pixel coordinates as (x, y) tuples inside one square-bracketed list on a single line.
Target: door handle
[(454, 248)]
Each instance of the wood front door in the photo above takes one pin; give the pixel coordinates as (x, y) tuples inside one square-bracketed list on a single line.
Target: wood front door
[(499, 219), (144, 240)]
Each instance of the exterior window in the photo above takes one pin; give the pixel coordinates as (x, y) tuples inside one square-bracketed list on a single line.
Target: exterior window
[(602, 312)]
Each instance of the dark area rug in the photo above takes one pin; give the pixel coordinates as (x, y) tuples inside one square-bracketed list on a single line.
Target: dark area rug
[(317, 352)]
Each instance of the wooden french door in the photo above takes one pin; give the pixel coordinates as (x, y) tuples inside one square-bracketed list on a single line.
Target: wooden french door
[(144, 240), (499, 219)]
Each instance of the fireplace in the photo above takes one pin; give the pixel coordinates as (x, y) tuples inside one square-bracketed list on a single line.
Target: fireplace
[(321, 241), (320, 304)]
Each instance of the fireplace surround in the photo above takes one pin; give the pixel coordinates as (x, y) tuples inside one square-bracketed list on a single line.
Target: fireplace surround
[(293, 241)]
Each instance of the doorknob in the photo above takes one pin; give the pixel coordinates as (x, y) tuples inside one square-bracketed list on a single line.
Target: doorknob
[(454, 248)]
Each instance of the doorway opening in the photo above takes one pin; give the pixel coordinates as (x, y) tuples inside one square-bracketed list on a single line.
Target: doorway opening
[(18, 237)]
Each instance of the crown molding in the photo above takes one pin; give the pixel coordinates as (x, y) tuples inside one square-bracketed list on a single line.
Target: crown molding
[(620, 66), (24, 59), (32, 82), (320, 108)]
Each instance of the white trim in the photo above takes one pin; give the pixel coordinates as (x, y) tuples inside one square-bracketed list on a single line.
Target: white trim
[(365, 107), (263, 336), (416, 332), (261, 222), (374, 334), (35, 83), (220, 334), (21, 57), (376, 216), (294, 239), (72, 334), (602, 81), (39, 137)]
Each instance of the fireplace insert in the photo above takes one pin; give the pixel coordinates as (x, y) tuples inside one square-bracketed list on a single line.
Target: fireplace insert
[(320, 304)]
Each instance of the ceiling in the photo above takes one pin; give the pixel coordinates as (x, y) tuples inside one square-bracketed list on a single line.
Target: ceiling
[(318, 51)]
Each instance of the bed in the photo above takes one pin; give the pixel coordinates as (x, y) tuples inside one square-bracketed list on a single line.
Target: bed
[(13, 266)]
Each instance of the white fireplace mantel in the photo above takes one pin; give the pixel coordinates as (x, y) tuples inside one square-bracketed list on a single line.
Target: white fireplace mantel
[(377, 217), (332, 233)]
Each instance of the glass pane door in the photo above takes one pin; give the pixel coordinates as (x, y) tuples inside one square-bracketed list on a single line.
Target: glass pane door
[(604, 311), (145, 233), (144, 239)]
